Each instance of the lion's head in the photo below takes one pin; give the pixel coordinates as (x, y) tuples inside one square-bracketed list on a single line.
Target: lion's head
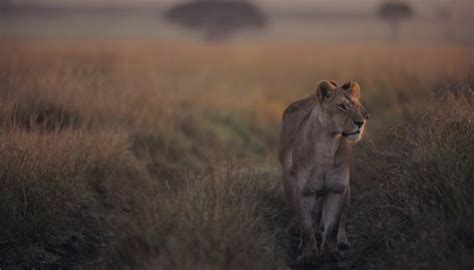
[(341, 110)]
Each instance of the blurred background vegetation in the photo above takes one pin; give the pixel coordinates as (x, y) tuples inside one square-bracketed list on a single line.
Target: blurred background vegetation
[(185, 21)]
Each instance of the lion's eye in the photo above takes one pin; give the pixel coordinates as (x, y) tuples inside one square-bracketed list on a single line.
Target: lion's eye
[(342, 107)]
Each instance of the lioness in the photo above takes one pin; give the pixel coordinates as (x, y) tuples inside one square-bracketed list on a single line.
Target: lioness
[(315, 153)]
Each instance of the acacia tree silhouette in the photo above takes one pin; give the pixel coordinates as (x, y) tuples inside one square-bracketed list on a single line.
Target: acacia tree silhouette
[(394, 12), (217, 20)]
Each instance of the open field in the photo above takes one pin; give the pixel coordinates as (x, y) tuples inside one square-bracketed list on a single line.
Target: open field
[(162, 156)]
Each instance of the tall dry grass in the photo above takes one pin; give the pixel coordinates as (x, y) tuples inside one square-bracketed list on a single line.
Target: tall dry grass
[(224, 219), (161, 156), (423, 215)]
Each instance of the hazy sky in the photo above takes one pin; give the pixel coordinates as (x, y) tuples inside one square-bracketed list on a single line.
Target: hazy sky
[(289, 18), (423, 8), (342, 5)]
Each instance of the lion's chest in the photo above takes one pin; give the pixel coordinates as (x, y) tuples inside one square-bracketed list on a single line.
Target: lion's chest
[(325, 171)]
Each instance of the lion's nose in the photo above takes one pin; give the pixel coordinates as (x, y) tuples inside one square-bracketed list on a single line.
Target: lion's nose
[(359, 123)]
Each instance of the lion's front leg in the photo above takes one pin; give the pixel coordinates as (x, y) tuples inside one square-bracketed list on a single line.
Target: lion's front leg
[(331, 214), (317, 226), (342, 241), (308, 241)]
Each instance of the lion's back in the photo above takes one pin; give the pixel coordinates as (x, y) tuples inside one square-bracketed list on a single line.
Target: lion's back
[(293, 117)]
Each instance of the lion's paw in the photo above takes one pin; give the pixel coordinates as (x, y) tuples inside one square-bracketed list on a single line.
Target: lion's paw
[(343, 246)]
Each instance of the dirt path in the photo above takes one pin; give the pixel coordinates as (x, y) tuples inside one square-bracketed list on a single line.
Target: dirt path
[(293, 252)]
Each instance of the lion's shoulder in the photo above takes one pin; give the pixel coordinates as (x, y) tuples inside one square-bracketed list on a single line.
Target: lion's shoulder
[(293, 118)]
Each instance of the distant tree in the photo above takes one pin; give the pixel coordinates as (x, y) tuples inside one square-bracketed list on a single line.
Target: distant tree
[(217, 20), (394, 12)]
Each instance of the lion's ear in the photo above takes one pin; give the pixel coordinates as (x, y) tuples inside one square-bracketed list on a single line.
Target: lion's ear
[(325, 89), (352, 88)]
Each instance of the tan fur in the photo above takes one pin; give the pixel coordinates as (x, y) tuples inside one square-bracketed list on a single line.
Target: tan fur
[(315, 153)]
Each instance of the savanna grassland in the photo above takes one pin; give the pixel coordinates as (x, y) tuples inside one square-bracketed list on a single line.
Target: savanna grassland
[(162, 156)]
